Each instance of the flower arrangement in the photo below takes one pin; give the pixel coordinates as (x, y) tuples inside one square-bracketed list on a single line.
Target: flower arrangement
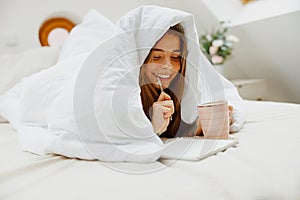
[(217, 46)]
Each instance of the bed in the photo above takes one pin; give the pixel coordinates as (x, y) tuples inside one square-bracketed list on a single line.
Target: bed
[(265, 165)]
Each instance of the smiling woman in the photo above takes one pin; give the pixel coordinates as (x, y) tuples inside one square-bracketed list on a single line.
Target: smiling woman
[(54, 31), (165, 63)]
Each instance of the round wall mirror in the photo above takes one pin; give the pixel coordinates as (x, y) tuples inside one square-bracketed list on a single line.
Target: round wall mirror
[(54, 31)]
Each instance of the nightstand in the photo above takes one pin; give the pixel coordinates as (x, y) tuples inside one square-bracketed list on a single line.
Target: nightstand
[(252, 89)]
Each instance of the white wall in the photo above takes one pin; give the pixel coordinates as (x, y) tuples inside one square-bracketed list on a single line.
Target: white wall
[(263, 9), (238, 13), (269, 43), (267, 49), (270, 49), (224, 10), (20, 20)]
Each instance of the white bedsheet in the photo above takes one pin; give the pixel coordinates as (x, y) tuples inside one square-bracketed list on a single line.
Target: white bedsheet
[(265, 165)]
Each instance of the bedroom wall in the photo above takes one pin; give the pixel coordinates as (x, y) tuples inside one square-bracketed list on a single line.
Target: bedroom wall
[(238, 13), (267, 49), (268, 32), (20, 20)]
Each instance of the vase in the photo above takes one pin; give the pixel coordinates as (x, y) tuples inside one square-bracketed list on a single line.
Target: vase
[(220, 69)]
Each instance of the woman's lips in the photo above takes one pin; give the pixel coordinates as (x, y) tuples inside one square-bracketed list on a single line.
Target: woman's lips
[(165, 79), (163, 76)]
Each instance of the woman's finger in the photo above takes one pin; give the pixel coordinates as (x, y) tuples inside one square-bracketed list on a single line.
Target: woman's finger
[(160, 118), (169, 104), (162, 109), (167, 112), (163, 96)]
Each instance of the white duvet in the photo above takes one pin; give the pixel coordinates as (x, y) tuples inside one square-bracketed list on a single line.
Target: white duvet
[(88, 105)]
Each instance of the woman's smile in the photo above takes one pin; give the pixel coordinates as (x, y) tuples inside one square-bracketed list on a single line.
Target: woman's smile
[(163, 76)]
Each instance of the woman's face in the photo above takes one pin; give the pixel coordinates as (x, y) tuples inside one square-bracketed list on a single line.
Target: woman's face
[(164, 60)]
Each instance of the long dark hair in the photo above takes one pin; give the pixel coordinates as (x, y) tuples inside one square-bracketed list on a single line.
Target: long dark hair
[(150, 94)]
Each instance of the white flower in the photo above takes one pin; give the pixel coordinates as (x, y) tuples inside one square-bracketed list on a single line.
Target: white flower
[(232, 38), (208, 37), (216, 59), (218, 43), (213, 50), (228, 43)]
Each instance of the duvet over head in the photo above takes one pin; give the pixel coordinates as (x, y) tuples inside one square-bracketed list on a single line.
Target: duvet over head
[(89, 106)]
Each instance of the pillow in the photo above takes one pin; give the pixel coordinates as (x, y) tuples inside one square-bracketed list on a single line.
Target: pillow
[(15, 67), (86, 36)]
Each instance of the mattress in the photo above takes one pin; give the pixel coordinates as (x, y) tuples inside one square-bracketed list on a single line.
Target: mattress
[(265, 165)]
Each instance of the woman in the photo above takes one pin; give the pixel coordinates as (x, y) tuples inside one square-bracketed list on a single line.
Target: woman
[(166, 63)]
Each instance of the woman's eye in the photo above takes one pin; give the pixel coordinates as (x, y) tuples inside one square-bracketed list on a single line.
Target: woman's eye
[(176, 58), (156, 57)]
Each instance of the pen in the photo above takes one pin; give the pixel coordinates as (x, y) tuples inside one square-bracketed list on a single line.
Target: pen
[(160, 84)]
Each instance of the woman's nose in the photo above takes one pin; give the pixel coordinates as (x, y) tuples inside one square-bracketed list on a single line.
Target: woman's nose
[(167, 63)]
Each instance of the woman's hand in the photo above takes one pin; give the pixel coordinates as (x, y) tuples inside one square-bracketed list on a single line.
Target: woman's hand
[(162, 111), (198, 131), (230, 112)]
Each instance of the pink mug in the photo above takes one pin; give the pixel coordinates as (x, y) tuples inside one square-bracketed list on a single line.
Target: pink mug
[(214, 119)]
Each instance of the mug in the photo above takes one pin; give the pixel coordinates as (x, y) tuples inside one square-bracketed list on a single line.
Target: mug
[(214, 119)]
